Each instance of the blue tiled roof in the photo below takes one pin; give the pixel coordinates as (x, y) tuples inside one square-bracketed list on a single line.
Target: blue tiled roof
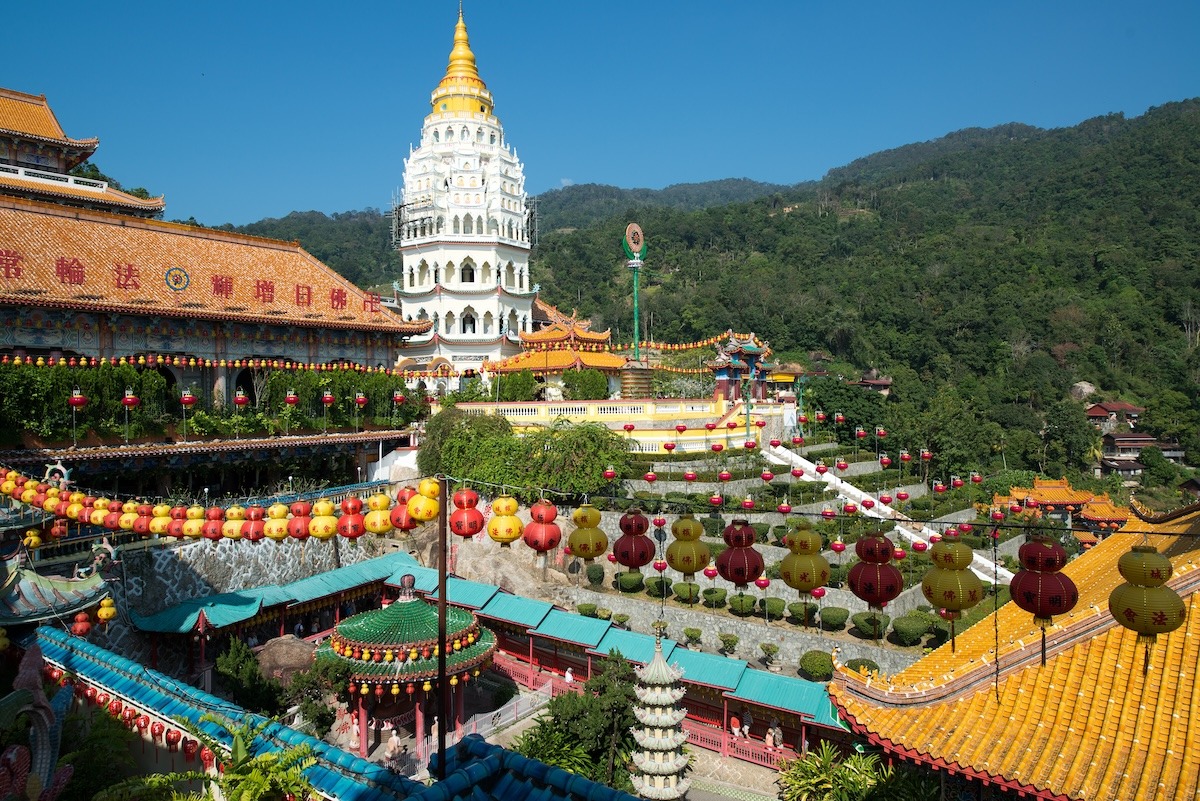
[(427, 578), (466, 593), (332, 582), (632, 645), (516, 609), (585, 631), (788, 693), (711, 669), (479, 771)]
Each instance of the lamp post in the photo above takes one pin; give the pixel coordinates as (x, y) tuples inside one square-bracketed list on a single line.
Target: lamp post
[(77, 401), (130, 401), (186, 400), (239, 402), (291, 399), (635, 250)]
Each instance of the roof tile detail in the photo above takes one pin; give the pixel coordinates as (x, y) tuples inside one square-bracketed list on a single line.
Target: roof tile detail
[(30, 115)]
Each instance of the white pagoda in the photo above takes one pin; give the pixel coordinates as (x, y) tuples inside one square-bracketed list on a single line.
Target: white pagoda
[(463, 228), (660, 762)]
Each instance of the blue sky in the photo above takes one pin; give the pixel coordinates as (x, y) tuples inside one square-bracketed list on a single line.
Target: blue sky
[(244, 110)]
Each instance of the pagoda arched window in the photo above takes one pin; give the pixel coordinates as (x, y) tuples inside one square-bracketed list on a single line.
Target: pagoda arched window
[(478, 219), (441, 224), (449, 134), (467, 273), (479, 135), (489, 322), (422, 315), (512, 321), (437, 137), (468, 323), (486, 278), (466, 135), (423, 274), (510, 276), (493, 139), (457, 223), (437, 275), (412, 278), (468, 225), (493, 226)]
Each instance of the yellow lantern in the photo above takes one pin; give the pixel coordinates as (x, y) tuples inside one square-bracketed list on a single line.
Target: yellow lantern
[(194, 524), (275, 526), (378, 521), (32, 539), (235, 516), (426, 686), (395, 689), (1145, 604), (160, 520), (454, 681), (412, 655), (107, 610), (505, 527), (423, 507), (73, 510), (126, 520), (587, 540), (687, 554), (430, 488), (388, 655), (379, 502), (366, 688), (323, 524)]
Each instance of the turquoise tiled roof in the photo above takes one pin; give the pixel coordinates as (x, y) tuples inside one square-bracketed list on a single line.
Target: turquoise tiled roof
[(787, 693), (467, 593), (711, 669), (231, 608), (632, 645), (585, 631), (516, 609), (426, 578)]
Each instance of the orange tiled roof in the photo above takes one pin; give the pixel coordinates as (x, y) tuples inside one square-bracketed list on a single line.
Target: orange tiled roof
[(53, 256), (1088, 725), (107, 196), (30, 115), (1103, 509), (1053, 492), (569, 332), (555, 361), (544, 310)]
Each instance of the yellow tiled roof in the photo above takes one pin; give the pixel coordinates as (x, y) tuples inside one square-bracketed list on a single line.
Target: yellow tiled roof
[(1103, 509), (108, 195), (1088, 725), (30, 115), (54, 256), (570, 331), (555, 361)]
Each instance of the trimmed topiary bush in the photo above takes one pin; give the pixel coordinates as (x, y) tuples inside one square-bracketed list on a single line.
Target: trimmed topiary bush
[(595, 574), (603, 614), (833, 618), (772, 608), (871, 624), (658, 587), (620, 619), (742, 604), (714, 597), (816, 666), (804, 614), (863, 664), (587, 610), (837, 575), (729, 642), (910, 629), (712, 525), (630, 581), (686, 591)]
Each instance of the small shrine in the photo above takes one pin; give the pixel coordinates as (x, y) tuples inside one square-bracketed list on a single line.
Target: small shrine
[(660, 762), (393, 657), (742, 366)]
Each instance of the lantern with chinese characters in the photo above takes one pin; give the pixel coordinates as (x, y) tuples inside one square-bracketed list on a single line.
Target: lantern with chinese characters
[(740, 564), (378, 519), (950, 585), (1145, 604), (193, 522), (160, 519), (323, 524), (687, 554), (466, 520), (252, 528), (399, 515), (297, 527), (351, 525), (1038, 587), (275, 526), (231, 528), (424, 506), (214, 523), (587, 540), (633, 548), (804, 569), (107, 611), (875, 579), (542, 533), (505, 527)]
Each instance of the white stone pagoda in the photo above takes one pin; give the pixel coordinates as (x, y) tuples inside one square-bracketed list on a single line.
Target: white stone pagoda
[(464, 228), (660, 762)]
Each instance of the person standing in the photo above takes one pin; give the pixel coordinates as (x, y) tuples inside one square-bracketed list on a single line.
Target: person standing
[(747, 722), (735, 725)]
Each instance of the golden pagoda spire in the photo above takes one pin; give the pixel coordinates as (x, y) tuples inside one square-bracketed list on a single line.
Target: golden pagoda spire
[(461, 89)]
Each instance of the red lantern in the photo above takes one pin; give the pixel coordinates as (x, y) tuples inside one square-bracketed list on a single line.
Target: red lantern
[(629, 427), (817, 592), (711, 572), (633, 548), (775, 443), (710, 426), (651, 477), (156, 729), (956, 482), (902, 496), (885, 461), (187, 398), (142, 722), (717, 447), (690, 475), (797, 472), (822, 469), (660, 565), (860, 432), (784, 508), (239, 398), (360, 400), (190, 749), (803, 419), (669, 446), (731, 424), (850, 508), (130, 401), (77, 400), (762, 583), (751, 444), (839, 418), (837, 546), (905, 456), (920, 546), (740, 563), (115, 707), (609, 474), (680, 428), (207, 758), (976, 478), (867, 503), (724, 475), (885, 499), (828, 513), (797, 440), (842, 464), (747, 502), (173, 738), (327, 398), (898, 554)]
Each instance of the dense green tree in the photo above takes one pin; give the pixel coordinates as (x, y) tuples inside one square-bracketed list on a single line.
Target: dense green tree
[(247, 686), (519, 386), (585, 385)]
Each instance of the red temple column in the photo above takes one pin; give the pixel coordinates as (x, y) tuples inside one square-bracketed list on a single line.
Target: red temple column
[(362, 726), (724, 726), (420, 721), (460, 696)]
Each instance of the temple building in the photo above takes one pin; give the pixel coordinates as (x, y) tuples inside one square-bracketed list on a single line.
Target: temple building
[(85, 273), (463, 227), (742, 367), (1089, 516), (1110, 716)]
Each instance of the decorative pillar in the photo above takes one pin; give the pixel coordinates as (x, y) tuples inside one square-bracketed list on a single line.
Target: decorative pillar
[(460, 694), (362, 726), (420, 733), (724, 726), (660, 762)]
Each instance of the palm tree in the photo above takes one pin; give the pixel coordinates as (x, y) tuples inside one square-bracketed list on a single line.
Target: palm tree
[(275, 774)]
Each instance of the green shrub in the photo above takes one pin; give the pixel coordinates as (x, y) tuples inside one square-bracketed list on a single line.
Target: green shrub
[(714, 597), (860, 664), (871, 624), (772, 608), (603, 614), (762, 531), (972, 541), (630, 581), (816, 666), (837, 575), (910, 629), (729, 642), (742, 604), (587, 610), (620, 618), (595, 574), (712, 525), (693, 636), (687, 592), (833, 618), (658, 587), (803, 613), (770, 650)]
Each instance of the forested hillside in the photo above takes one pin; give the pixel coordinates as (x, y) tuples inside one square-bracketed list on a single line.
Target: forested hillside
[(1007, 264)]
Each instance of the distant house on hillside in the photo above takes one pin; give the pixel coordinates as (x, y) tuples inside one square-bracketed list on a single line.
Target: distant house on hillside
[(1110, 415), (1121, 453)]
